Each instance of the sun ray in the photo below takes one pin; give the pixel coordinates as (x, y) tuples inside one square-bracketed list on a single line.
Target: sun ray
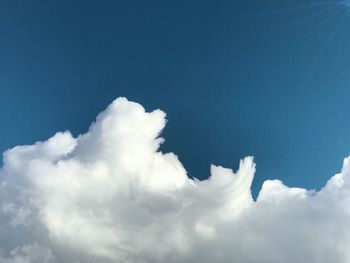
[(304, 19), (323, 48), (292, 8), (324, 22)]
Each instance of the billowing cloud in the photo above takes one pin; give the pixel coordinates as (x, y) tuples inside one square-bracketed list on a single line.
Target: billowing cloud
[(110, 195)]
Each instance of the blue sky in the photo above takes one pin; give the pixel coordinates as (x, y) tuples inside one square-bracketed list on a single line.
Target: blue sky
[(263, 78)]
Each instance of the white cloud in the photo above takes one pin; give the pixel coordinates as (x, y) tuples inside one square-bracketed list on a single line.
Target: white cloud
[(111, 196)]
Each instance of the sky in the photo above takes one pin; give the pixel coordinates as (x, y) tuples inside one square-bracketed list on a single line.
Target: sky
[(264, 82), (236, 77)]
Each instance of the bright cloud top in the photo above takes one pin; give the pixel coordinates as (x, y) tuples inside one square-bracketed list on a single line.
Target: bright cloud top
[(111, 196)]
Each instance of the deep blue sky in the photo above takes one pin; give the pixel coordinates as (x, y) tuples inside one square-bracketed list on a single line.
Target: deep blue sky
[(236, 78)]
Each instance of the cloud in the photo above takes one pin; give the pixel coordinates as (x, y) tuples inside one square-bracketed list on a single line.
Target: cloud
[(110, 195)]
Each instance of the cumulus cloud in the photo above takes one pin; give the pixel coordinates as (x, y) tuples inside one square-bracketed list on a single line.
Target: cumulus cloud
[(110, 195)]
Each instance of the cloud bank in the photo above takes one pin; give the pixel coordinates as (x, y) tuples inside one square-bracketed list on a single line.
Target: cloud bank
[(110, 195)]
